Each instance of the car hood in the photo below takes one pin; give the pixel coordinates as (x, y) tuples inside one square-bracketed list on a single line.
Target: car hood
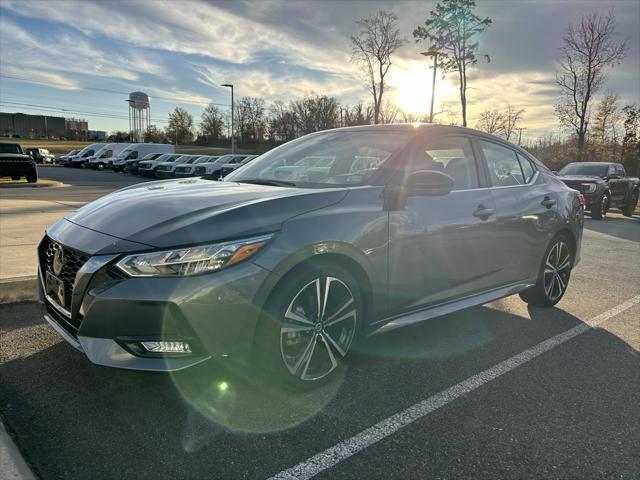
[(580, 178), (183, 212)]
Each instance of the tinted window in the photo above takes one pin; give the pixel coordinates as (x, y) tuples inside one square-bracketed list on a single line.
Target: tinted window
[(620, 170), (10, 148), (503, 164), (451, 155), (527, 169)]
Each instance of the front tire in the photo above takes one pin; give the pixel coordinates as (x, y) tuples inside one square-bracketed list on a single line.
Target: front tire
[(32, 178), (601, 207), (553, 278), (630, 207), (310, 322)]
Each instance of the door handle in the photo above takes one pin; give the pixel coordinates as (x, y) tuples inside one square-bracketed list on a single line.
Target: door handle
[(483, 212), (548, 202)]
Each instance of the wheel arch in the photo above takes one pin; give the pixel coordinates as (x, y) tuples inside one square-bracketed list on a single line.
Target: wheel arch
[(568, 233), (311, 257)]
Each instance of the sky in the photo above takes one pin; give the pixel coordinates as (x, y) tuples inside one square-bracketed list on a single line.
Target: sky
[(82, 58)]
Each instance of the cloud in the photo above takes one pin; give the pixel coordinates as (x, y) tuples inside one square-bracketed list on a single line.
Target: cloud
[(69, 53), (275, 86), (189, 27), (53, 79)]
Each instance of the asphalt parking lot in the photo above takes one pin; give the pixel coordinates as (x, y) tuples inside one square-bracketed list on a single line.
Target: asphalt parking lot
[(568, 409)]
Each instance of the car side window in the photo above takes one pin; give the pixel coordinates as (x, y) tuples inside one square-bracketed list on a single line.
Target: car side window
[(620, 171), (450, 155), (527, 168), (504, 167)]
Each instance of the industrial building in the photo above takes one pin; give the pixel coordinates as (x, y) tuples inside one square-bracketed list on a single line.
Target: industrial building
[(31, 126)]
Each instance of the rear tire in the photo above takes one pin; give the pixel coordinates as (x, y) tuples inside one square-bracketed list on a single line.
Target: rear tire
[(600, 208), (554, 274), (310, 322), (630, 207), (32, 178)]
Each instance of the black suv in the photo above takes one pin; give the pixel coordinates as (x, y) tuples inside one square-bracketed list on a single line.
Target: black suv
[(604, 185), (15, 163)]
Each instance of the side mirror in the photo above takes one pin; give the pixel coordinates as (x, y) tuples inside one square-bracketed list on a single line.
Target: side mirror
[(428, 183)]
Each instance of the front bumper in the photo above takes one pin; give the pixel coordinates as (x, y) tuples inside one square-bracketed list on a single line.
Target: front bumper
[(145, 172), (107, 311)]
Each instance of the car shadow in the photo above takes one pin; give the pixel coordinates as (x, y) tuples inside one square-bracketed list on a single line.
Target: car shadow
[(625, 228), (58, 404)]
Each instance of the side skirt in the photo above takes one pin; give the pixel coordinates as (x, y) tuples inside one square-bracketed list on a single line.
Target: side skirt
[(438, 310)]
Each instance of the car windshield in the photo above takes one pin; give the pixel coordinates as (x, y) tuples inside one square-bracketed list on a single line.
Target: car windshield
[(585, 169), (9, 148), (334, 158)]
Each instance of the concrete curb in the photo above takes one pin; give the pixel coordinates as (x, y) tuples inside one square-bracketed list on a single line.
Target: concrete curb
[(12, 464), (42, 183), (19, 289)]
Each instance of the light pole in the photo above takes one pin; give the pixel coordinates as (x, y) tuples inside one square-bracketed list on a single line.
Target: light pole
[(433, 82), (233, 138)]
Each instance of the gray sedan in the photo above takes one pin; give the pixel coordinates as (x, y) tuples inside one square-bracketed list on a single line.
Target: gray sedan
[(328, 239)]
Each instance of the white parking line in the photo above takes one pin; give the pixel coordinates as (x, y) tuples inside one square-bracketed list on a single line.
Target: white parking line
[(343, 450)]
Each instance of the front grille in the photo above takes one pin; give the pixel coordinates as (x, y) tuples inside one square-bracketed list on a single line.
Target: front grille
[(182, 170), (73, 261), (164, 168), (201, 170)]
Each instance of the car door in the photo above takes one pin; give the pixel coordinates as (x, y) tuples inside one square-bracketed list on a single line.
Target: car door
[(526, 211), (617, 184), (441, 247)]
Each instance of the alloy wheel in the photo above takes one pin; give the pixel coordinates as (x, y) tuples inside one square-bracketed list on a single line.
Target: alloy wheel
[(318, 328), (557, 270)]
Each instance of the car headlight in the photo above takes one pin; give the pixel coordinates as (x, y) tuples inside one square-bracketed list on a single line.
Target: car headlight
[(191, 260), (589, 187)]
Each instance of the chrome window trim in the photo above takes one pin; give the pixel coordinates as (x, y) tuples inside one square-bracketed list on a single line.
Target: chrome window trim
[(533, 180)]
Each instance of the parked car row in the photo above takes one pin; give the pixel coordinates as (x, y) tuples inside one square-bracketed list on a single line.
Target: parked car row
[(153, 160)]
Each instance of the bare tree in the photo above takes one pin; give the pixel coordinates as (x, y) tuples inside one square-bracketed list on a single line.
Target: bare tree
[(250, 120), (605, 129), (389, 112), (510, 120), (282, 122), (491, 121), (589, 49), (451, 30), (359, 114), (180, 128), (378, 38), (212, 122), (315, 112)]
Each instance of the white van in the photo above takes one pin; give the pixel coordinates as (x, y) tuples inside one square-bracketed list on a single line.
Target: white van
[(138, 150), (101, 158), (79, 158)]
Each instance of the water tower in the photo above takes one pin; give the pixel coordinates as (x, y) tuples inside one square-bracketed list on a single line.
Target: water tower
[(139, 115)]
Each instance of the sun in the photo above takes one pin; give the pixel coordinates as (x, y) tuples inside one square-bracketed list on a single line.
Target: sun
[(412, 88)]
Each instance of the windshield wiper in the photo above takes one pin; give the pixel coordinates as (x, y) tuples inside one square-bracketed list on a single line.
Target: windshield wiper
[(267, 181)]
